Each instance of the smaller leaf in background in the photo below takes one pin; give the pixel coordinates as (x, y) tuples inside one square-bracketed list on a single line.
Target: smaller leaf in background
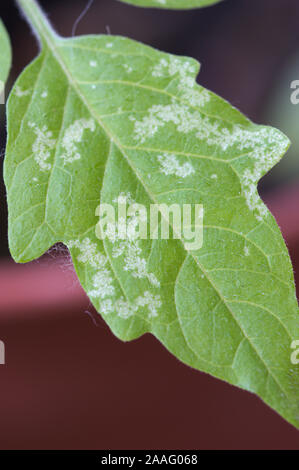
[(5, 59), (172, 4)]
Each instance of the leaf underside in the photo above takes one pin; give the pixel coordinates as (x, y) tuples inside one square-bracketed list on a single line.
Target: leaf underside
[(96, 118), (172, 4), (5, 56)]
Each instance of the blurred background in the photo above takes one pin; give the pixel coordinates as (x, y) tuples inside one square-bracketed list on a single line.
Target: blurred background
[(68, 383)]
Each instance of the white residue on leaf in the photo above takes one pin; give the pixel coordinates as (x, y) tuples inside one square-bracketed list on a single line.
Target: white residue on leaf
[(147, 300), (128, 68), (185, 71), (42, 146), (152, 302), (72, 136), (267, 145), (169, 165), (103, 284), (129, 248), (181, 115), (44, 94), (20, 93), (262, 146), (102, 279), (93, 63)]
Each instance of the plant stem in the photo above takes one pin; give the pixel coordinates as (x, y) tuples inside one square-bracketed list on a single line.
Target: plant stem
[(37, 19)]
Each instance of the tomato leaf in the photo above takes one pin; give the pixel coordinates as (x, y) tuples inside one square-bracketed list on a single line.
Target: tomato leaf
[(100, 119)]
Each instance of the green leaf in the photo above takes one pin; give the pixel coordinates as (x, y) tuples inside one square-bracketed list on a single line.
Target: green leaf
[(98, 118), (5, 56), (172, 4)]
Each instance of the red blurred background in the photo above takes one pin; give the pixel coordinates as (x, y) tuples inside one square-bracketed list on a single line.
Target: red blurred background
[(68, 383)]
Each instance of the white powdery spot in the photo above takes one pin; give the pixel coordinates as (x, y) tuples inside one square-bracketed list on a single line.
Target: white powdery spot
[(246, 250), (211, 131), (185, 71), (93, 63), (106, 307), (72, 136), (128, 68), (103, 288), (130, 247), (149, 301), (20, 93), (109, 45), (267, 146), (214, 177), (152, 302), (102, 279), (181, 116), (44, 94), (124, 308), (42, 146), (102, 282), (169, 165), (134, 263)]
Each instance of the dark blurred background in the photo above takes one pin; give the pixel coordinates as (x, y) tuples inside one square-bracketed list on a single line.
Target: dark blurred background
[(67, 382)]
